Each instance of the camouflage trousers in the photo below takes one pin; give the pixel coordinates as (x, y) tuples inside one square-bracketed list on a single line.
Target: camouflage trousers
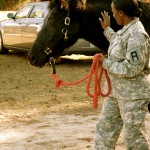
[(117, 114)]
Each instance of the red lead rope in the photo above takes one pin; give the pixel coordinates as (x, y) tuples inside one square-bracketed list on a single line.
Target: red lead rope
[(96, 70)]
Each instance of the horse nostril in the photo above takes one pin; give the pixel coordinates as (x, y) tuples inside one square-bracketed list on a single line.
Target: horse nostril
[(33, 60)]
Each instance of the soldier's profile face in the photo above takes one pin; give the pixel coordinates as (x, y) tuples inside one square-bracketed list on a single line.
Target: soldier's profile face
[(117, 14)]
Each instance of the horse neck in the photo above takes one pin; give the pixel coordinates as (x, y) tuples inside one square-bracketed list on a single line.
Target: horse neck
[(90, 28)]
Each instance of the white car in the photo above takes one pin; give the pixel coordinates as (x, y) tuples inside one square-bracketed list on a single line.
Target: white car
[(21, 29)]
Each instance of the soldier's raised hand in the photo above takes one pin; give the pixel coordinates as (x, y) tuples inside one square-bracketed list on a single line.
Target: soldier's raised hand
[(105, 20)]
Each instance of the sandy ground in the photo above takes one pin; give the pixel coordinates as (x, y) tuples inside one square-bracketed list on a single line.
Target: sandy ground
[(36, 116)]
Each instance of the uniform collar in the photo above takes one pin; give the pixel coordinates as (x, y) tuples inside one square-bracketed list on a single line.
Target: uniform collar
[(128, 25)]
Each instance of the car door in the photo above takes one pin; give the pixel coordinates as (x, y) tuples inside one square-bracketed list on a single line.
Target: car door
[(32, 25), (12, 30)]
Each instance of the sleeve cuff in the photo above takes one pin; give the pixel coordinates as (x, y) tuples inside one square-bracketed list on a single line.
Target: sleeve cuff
[(106, 64), (107, 30)]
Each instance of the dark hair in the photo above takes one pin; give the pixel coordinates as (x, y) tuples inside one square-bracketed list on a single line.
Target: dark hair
[(129, 7)]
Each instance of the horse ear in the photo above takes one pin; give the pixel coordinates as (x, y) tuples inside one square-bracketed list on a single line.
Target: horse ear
[(57, 2), (51, 4), (62, 4)]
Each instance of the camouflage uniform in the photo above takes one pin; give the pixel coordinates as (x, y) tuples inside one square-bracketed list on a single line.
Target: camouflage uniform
[(126, 106)]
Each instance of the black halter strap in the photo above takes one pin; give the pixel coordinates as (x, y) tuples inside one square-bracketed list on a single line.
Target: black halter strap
[(66, 24), (48, 50)]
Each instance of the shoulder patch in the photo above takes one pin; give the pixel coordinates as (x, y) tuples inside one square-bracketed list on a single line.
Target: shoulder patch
[(134, 56)]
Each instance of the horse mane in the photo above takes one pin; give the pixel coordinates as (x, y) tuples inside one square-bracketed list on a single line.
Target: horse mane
[(145, 6)]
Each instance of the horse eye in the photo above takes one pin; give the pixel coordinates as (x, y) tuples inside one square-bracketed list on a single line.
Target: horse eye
[(51, 22)]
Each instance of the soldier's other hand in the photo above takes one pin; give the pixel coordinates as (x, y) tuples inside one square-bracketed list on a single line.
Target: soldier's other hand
[(102, 57)]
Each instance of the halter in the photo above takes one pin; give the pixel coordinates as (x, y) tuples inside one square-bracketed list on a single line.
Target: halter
[(49, 51), (67, 23)]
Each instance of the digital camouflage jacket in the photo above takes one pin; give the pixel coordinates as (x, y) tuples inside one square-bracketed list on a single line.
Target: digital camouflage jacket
[(127, 61)]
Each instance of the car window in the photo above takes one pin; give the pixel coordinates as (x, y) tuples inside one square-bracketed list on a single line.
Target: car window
[(23, 12), (37, 12)]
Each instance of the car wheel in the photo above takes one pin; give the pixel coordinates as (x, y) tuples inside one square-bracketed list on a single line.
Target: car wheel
[(3, 50)]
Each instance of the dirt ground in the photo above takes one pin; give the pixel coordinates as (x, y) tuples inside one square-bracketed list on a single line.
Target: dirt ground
[(36, 116)]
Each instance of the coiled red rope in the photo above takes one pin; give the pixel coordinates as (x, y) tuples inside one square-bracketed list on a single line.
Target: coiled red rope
[(97, 70)]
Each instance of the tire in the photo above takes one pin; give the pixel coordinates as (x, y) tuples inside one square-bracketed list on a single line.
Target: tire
[(3, 50)]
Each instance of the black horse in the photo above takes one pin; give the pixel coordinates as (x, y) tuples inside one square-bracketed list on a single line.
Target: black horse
[(69, 20)]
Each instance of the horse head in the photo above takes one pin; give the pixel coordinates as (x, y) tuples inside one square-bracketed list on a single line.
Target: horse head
[(59, 31)]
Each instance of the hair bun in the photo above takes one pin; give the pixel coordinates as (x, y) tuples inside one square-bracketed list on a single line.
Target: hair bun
[(138, 12)]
